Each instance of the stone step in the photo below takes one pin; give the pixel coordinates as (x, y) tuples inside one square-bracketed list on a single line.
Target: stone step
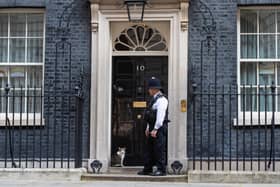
[(133, 177), (126, 169)]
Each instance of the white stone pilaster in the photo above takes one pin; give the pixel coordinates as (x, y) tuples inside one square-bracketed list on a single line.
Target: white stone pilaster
[(177, 135), (99, 132)]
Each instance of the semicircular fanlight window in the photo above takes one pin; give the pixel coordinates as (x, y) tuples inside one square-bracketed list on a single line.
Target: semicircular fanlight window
[(140, 38)]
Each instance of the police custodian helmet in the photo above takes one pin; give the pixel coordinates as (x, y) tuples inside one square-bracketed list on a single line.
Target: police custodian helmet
[(154, 83)]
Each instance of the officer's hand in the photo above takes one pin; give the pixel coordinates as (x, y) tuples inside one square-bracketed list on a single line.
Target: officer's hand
[(154, 133), (147, 133)]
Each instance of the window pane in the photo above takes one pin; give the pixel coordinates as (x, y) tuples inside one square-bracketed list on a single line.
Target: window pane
[(278, 99), (17, 50), (248, 73), (34, 50), (278, 21), (278, 44), (17, 77), (249, 99), (155, 39), (158, 47), (2, 102), (248, 21), (3, 50), (267, 46), (4, 25), (17, 103), (278, 73), (34, 77), (249, 46), (132, 35), (265, 99), (3, 77), (266, 73), (34, 101), (267, 21), (35, 24), (18, 24)]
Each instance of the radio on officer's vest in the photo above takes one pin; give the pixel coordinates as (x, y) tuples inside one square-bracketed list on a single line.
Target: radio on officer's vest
[(150, 116)]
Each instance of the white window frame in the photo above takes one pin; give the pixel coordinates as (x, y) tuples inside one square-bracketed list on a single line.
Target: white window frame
[(254, 118), (25, 119)]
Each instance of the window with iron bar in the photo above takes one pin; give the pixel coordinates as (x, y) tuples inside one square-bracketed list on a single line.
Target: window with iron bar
[(258, 62), (22, 46)]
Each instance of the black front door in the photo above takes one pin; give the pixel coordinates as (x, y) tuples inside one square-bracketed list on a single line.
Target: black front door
[(129, 96)]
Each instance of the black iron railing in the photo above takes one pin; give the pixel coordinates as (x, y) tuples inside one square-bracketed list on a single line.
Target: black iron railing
[(235, 128), (40, 128)]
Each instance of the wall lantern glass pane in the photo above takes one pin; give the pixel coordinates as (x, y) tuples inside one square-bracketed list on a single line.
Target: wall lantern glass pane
[(135, 9)]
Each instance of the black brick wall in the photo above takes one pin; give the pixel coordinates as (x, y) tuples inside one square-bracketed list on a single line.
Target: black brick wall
[(74, 16), (224, 14)]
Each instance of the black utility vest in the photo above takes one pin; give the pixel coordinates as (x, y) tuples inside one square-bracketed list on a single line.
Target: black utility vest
[(151, 114)]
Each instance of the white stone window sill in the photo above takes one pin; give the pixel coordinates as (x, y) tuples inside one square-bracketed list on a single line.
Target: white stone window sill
[(256, 119), (23, 120)]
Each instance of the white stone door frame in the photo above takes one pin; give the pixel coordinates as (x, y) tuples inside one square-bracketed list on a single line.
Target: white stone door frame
[(101, 80)]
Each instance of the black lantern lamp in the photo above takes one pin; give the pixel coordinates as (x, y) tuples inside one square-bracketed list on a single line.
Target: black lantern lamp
[(135, 9)]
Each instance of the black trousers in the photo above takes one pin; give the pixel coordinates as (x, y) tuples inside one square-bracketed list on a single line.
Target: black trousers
[(155, 151)]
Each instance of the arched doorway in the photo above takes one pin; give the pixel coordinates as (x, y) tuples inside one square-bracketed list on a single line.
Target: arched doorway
[(107, 25), (139, 52)]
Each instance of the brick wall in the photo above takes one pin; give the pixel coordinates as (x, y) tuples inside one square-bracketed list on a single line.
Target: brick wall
[(71, 20), (205, 71)]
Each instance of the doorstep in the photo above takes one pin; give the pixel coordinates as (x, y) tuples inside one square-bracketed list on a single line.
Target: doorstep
[(130, 174)]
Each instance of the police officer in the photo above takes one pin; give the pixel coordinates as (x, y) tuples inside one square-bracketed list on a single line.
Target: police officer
[(156, 131)]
